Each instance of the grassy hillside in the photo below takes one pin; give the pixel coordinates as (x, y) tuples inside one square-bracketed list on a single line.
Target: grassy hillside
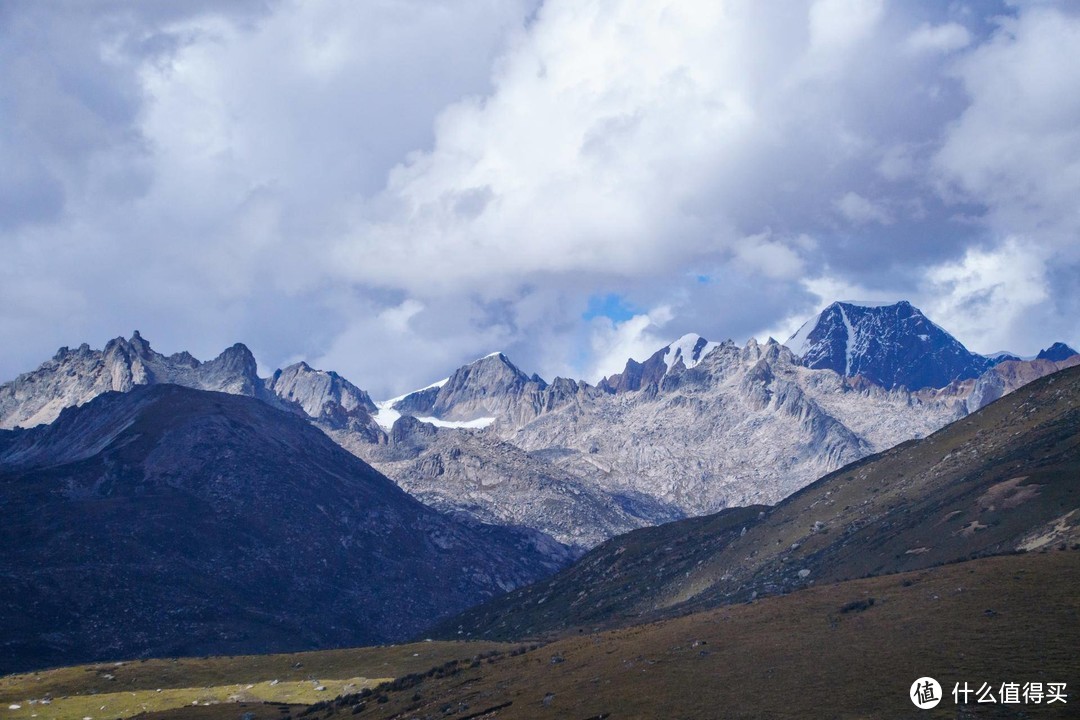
[(1002, 479), (844, 650), (123, 689)]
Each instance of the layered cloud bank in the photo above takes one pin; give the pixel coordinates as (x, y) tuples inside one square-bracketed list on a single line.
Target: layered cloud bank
[(571, 182)]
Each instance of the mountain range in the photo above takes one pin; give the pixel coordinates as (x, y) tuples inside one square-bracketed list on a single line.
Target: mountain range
[(954, 557), (697, 427), (160, 505)]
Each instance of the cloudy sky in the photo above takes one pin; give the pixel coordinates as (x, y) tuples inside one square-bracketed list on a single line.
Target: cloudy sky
[(390, 188)]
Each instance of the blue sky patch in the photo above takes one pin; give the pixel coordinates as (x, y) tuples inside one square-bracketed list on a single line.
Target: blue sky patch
[(612, 305)]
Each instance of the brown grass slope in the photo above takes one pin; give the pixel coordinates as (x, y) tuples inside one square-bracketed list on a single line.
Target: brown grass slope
[(823, 652), (842, 650), (79, 691), (1002, 479), (379, 661)]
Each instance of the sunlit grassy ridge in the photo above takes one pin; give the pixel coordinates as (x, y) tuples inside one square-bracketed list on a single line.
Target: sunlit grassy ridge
[(123, 689), (129, 703)]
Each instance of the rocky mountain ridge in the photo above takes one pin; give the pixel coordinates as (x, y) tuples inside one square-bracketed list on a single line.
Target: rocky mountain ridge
[(697, 427), (1001, 480), (74, 377)]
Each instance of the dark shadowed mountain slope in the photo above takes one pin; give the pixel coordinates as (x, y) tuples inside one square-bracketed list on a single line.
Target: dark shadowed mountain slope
[(1003, 479), (167, 521), (890, 345), (1057, 352)]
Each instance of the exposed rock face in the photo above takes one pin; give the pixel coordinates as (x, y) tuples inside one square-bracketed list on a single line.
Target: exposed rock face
[(171, 521), (697, 427), (890, 345), (493, 481), (74, 377), (745, 425), (492, 387), (327, 398), (740, 426), (1007, 376)]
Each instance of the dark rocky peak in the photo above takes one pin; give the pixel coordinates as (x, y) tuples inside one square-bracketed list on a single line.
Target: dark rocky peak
[(494, 369), (139, 344), (890, 344), (563, 389), (184, 359), (136, 346), (774, 352), (628, 380), (65, 352), (233, 371), (237, 359), (1002, 356), (1057, 352), (769, 352)]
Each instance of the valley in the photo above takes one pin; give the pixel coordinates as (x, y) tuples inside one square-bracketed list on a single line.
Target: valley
[(849, 649), (655, 545)]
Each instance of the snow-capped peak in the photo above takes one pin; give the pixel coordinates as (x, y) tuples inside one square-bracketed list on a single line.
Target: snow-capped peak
[(385, 414), (691, 348), (870, 303), (800, 341)]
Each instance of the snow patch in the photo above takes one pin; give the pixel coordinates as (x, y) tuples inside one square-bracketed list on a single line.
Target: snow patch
[(849, 342), (684, 348), (870, 303), (798, 342), (385, 415), (475, 424)]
